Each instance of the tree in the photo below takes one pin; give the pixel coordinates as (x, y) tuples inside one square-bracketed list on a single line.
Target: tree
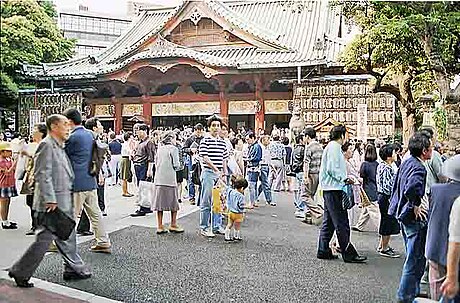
[(408, 47), (28, 34)]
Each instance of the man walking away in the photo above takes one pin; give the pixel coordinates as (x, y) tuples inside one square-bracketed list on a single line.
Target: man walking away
[(312, 162), (191, 150), (53, 184), (79, 148), (115, 158)]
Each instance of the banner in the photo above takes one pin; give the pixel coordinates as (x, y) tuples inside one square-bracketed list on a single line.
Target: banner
[(34, 118), (361, 127)]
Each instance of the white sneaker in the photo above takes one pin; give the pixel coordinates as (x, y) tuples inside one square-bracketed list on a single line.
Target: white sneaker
[(299, 214), (207, 233)]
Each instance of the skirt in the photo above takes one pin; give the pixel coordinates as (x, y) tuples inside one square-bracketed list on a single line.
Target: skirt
[(165, 198), (388, 224), (8, 192), (125, 170)]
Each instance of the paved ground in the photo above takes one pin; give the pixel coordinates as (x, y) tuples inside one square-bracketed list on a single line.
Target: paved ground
[(275, 263)]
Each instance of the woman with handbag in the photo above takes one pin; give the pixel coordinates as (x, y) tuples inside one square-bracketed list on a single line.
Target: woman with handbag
[(369, 208), (38, 134), (165, 182)]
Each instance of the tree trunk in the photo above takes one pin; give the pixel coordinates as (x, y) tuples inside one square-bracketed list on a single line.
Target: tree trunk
[(453, 125), (408, 123)]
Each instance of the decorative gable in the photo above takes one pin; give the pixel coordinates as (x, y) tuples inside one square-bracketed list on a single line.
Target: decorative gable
[(203, 32)]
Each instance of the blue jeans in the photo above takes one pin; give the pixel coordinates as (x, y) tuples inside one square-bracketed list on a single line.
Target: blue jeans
[(414, 235), (252, 180), (208, 179), (298, 203), (191, 186), (264, 185)]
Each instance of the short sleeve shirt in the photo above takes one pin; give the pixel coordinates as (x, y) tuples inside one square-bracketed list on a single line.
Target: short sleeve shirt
[(454, 223)]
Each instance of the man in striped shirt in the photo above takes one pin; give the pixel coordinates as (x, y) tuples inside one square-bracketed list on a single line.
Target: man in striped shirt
[(214, 155)]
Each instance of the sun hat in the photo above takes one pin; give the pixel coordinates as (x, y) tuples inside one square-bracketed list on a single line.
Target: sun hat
[(5, 146), (451, 168)]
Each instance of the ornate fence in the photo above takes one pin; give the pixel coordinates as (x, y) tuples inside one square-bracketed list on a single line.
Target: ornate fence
[(48, 104)]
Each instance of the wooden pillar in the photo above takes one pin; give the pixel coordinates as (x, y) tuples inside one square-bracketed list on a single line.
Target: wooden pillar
[(260, 107), (117, 115), (223, 99), (147, 110)]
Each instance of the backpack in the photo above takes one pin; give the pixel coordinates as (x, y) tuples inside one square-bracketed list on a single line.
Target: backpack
[(98, 155), (196, 173), (297, 159)]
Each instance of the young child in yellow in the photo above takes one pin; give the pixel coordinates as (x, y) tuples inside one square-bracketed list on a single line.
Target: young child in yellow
[(235, 205)]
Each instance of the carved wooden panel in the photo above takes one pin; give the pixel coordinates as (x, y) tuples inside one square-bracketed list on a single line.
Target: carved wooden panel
[(132, 109), (185, 109), (241, 107), (276, 106)]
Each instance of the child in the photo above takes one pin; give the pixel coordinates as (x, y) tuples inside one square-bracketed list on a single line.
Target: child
[(7, 184), (235, 205)]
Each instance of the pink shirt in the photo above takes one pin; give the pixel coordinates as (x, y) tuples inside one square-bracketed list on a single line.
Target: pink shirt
[(6, 177)]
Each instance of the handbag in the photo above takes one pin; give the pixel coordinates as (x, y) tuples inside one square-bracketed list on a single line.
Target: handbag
[(347, 197), (365, 201), (28, 184), (59, 224)]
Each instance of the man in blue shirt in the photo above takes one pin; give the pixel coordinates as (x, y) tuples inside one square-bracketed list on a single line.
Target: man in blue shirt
[(407, 205), (333, 178)]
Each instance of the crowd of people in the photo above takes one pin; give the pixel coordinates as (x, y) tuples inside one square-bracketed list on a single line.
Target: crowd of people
[(340, 185)]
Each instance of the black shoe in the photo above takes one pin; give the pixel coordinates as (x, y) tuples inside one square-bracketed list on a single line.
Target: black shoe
[(74, 276), (351, 255), (328, 255), (24, 283), (13, 223), (138, 213), (31, 232), (11, 226), (85, 233), (357, 229)]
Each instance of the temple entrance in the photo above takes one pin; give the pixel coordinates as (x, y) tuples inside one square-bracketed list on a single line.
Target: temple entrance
[(239, 121), (280, 120), (178, 121)]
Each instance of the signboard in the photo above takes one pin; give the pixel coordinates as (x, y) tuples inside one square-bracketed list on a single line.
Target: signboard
[(361, 125), (34, 118)]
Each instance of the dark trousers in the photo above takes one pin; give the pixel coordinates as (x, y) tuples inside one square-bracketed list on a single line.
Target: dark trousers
[(30, 202), (141, 172), (100, 197), (335, 218)]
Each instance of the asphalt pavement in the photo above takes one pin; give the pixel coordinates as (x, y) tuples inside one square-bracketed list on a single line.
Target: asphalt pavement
[(276, 262)]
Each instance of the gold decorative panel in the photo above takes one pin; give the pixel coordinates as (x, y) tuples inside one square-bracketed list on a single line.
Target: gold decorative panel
[(241, 107), (276, 107), (185, 109), (132, 109), (104, 110)]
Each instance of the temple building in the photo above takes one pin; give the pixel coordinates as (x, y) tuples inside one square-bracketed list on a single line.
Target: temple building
[(240, 59)]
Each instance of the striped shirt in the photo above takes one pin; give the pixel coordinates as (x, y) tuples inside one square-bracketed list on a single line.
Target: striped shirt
[(215, 149), (385, 178), (312, 157)]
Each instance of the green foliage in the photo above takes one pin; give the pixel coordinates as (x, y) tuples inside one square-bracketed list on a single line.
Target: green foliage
[(394, 35), (28, 34), (440, 120)]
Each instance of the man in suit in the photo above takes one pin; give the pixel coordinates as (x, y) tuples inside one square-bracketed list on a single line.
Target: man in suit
[(407, 205), (79, 148), (53, 189)]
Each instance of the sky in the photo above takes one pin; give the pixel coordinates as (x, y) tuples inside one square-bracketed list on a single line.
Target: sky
[(108, 7)]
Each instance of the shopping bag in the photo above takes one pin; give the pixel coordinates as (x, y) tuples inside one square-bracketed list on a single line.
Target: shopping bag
[(145, 194), (216, 201), (233, 166)]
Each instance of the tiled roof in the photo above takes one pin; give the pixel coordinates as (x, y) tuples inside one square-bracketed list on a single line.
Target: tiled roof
[(297, 33)]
